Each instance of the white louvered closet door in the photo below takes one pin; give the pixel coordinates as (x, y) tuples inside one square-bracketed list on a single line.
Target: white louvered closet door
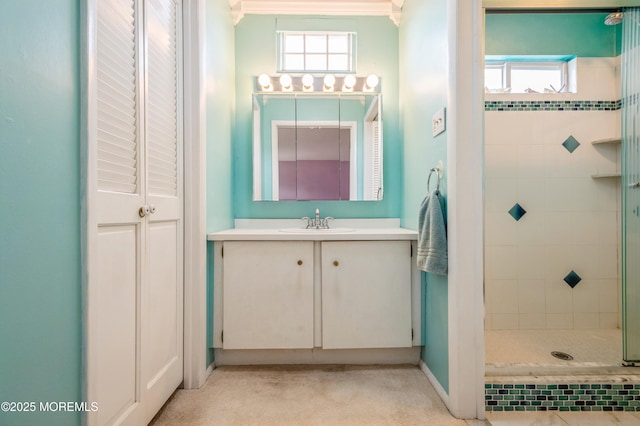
[(134, 177), (162, 297)]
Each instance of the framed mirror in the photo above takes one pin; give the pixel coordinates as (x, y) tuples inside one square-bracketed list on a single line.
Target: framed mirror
[(317, 147)]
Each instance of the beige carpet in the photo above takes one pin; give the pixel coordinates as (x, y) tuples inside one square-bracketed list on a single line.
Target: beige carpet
[(309, 395)]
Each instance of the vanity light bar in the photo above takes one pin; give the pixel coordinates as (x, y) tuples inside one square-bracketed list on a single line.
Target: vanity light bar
[(307, 83)]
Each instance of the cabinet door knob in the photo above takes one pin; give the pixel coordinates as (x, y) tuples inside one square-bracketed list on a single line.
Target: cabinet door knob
[(336, 263), (299, 262)]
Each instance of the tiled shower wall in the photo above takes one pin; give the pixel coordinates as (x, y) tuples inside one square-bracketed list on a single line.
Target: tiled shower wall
[(551, 229)]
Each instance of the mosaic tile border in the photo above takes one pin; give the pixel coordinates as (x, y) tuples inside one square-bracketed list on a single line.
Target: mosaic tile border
[(552, 105), (562, 397)]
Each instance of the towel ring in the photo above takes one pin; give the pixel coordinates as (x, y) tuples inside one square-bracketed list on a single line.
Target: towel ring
[(437, 171)]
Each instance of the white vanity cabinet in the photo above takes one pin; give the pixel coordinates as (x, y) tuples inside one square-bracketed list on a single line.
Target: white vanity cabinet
[(268, 295), (348, 294), (366, 294)]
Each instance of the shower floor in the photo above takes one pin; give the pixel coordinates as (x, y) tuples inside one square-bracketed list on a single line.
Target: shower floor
[(528, 352), (522, 375)]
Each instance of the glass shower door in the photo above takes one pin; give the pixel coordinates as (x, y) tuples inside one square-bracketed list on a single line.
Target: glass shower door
[(631, 185)]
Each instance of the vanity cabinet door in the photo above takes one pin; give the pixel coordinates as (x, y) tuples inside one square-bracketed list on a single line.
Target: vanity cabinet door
[(366, 294), (267, 294)]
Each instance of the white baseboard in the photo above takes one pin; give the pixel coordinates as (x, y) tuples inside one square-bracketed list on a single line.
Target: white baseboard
[(318, 356)]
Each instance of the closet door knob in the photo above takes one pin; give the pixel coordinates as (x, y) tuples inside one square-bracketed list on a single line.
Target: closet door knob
[(299, 262), (336, 263), (144, 211)]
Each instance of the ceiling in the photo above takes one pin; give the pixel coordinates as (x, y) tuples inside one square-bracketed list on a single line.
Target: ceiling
[(390, 8)]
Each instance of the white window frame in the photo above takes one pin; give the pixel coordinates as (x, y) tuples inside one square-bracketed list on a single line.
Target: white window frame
[(373, 180), (508, 66), (351, 53)]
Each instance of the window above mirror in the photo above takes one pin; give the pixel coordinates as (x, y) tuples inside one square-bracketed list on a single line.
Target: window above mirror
[(316, 51)]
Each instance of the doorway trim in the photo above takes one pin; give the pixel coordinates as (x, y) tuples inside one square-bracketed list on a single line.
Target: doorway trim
[(465, 208), (196, 369)]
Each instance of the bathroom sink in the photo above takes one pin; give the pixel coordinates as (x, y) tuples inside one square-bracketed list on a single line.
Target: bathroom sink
[(316, 230)]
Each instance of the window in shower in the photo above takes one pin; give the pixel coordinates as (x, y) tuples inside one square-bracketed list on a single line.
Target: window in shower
[(530, 74)]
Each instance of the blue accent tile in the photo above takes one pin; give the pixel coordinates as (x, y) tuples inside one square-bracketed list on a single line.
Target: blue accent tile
[(517, 212), (571, 144), (557, 105), (618, 398), (572, 279)]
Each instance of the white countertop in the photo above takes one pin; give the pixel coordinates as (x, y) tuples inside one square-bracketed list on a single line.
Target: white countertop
[(313, 235), (293, 230)]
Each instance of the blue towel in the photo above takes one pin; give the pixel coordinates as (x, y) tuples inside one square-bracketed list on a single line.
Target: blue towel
[(432, 235)]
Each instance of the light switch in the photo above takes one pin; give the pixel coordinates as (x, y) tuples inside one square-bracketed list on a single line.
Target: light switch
[(439, 122)]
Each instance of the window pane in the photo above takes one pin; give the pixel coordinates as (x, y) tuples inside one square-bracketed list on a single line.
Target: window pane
[(535, 79), (316, 62), (293, 43), (339, 43), (293, 62), (339, 62), (316, 51), (316, 44), (493, 78)]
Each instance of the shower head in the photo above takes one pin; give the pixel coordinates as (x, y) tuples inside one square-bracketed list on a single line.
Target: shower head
[(613, 18)]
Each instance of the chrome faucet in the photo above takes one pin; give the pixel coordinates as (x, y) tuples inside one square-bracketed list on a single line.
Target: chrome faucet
[(317, 222)]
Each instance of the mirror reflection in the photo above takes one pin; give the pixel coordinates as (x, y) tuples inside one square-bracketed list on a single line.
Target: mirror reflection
[(317, 147)]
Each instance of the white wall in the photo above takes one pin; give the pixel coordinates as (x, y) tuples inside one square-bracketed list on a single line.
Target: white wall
[(572, 220)]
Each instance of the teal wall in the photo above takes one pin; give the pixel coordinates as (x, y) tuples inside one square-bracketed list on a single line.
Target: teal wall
[(423, 90), (255, 50), (40, 283), (580, 34), (220, 118)]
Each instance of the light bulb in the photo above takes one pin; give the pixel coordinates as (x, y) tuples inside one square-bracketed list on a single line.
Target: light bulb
[(264, 81), (372, 81), (307, 83), (349, 82), (329, 82), (285, 82)]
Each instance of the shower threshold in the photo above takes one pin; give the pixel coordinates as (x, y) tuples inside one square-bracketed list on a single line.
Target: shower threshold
[(569, 369)]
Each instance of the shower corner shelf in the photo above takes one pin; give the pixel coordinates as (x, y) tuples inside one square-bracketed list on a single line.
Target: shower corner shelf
[(606, 175), (611, 141), (607, 142)]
